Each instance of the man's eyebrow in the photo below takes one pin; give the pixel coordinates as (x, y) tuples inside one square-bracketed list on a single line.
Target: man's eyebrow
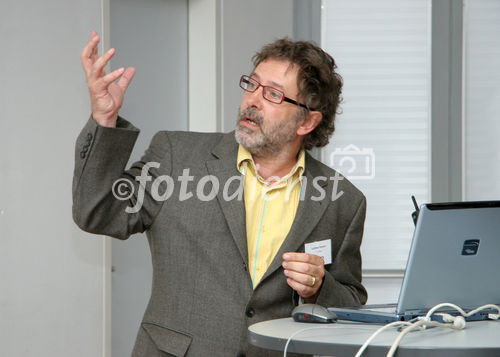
[(273, 84)]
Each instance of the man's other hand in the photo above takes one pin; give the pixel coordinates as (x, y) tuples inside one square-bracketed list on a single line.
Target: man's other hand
[(304, 273), (106, 95)]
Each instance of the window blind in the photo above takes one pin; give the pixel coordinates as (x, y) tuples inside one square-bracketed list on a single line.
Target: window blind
[(382, 138)]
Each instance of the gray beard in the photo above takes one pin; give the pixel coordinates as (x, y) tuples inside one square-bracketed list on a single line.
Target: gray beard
[(263, 144)]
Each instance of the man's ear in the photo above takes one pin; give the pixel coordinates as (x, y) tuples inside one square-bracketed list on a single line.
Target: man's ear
[(309, 123)]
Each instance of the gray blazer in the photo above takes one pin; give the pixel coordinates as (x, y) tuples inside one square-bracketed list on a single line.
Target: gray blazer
[(202, 300)]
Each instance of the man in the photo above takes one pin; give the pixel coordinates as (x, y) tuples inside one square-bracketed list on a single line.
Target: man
[(232, 219)]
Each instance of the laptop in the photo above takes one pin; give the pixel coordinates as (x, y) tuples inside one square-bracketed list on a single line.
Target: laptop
[(454, 257)]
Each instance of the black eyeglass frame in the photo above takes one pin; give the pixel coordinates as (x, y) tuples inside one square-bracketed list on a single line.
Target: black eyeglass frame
[(283, 97)]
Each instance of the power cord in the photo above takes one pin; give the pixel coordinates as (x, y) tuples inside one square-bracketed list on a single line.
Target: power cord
[(376, 333), (423, 324)]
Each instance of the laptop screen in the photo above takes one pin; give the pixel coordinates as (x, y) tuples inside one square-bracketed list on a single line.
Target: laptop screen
[(453, 257)]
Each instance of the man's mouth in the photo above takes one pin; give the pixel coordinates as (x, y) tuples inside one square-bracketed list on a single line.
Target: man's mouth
[(250, 121)]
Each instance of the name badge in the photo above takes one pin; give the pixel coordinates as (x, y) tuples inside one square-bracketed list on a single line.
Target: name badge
[(322, 248)]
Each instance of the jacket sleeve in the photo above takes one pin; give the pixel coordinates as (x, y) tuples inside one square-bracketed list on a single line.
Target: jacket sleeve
[(107, 199), (342, 282)]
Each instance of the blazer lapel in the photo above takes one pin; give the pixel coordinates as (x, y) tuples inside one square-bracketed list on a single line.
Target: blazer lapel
[(230, 197), (309, 212)]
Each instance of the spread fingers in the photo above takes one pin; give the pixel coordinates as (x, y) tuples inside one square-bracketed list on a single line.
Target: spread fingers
[(109, 78), (98, 67)]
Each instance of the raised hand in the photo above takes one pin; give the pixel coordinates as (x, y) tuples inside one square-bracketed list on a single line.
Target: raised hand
[(106, 95)]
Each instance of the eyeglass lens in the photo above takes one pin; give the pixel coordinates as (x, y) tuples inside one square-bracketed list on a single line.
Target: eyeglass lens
[(269, 93)]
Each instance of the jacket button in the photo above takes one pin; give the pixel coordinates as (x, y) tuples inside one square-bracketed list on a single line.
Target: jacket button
[(250, 312), (241, 355), (89, 136), (82, 155)]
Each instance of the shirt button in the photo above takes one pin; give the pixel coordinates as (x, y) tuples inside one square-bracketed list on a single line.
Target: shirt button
[(250, 312)]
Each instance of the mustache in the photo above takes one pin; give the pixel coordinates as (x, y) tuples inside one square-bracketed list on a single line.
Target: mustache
[(252, 113)]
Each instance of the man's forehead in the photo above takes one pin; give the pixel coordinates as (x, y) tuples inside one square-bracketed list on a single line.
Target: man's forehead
[(268, 82), (275, 73)]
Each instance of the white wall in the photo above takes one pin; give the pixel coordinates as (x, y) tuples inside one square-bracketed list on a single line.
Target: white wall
[(157, 99), (246, 27), (51, 274), (223, 36)]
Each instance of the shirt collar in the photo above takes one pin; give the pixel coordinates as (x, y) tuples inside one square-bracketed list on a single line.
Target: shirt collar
[(245, 158)]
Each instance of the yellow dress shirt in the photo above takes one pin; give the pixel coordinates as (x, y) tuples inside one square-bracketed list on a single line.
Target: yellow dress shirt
[(270, 211)]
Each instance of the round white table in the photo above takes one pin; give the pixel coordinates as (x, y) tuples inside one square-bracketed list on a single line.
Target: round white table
[(480, 338)]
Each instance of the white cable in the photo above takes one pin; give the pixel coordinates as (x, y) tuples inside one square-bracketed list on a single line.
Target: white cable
[(370, 339), (457, 321), (459, 309), (300, 331), (419, 324), (453, 322), (445, 304), (354, 327), (487, 306)]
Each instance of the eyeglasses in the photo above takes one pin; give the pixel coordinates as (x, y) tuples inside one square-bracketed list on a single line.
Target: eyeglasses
[(269, 93)]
